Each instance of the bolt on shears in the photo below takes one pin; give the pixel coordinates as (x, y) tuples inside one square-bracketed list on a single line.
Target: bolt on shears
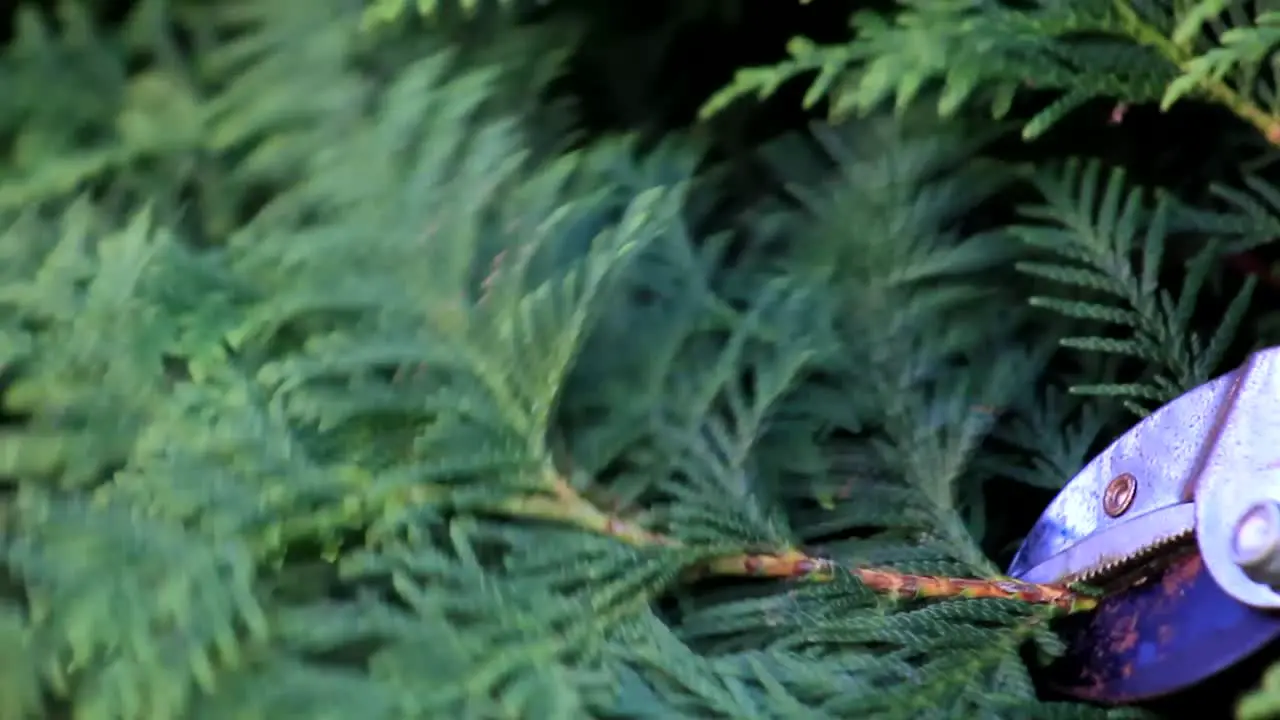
[(1177, 523)]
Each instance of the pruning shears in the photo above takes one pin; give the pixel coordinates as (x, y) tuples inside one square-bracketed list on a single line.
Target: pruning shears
[(1177, 524)]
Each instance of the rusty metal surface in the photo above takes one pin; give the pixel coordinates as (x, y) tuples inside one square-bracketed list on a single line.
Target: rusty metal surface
[(1192, 469), (1168, 632)]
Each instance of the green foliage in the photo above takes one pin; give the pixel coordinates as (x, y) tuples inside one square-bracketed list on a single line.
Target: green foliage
[(1092, 232), (1222, 51), (1129, 51), (343, 379), (384, 12), (1264, 703)]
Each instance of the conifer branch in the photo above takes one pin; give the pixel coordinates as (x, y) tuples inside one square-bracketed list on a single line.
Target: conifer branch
[(564, 504), (267, 524), (1214, 88)]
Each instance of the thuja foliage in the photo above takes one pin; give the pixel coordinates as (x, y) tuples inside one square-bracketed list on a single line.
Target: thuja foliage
[(344, 381), (1092, 234), (1128, 51)]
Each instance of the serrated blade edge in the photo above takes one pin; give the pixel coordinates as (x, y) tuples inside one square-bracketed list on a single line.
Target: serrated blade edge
[(1116, 548)]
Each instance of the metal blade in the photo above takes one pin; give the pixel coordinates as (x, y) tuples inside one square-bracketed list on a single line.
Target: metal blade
[(1116, 546), (1160, 636), (1160, 459)]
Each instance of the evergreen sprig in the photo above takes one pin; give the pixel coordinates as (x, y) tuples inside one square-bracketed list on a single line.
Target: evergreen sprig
[(1129, 51), (344, 387), (453, 427), (1106, 240)]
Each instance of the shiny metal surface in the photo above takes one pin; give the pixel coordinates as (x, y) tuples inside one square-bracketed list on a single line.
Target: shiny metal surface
[(1255, 545), (1243, 469), (1164, 453), (1202, 461), (1115, 544), (1159, 637)]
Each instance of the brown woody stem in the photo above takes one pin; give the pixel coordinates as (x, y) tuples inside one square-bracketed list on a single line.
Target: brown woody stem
[(562, 503)]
